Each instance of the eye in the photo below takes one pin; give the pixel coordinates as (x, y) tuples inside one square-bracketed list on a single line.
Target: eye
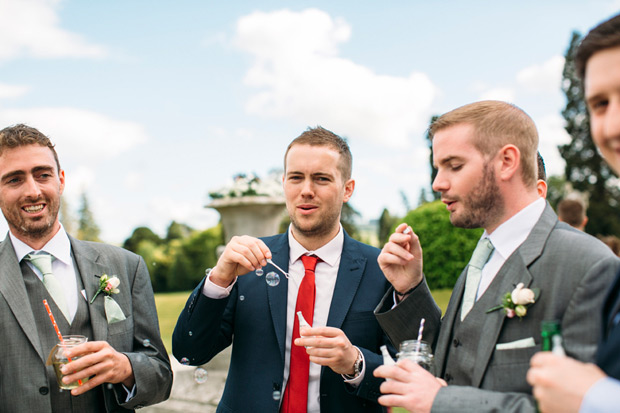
[(597, 106), (456, 167)]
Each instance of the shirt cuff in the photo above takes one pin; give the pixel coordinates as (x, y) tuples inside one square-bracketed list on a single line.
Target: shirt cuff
[(130, 393), (357, 380), (601, 397), (214, 291)]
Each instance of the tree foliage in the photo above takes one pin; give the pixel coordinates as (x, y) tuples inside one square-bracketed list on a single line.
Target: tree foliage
[(387, 223), (446, 248), (88, 230), (585, 169)]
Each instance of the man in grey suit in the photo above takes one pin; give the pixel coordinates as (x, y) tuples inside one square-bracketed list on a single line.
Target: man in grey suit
[(124, 357), (485, 153)]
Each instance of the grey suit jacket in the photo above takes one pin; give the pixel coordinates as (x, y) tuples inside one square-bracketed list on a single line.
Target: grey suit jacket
[(24, 386), (573, 272)]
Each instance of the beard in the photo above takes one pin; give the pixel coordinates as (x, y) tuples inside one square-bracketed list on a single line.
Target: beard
[(483, 204), (322, 227), (33, 228)]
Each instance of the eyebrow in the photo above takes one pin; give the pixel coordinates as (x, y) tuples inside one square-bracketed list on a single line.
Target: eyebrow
[(19, 172)]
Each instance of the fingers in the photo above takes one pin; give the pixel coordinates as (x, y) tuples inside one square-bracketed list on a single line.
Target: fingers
[(242, 254)]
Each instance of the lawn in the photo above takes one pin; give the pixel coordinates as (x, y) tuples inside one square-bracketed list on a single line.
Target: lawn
[(169, 306)]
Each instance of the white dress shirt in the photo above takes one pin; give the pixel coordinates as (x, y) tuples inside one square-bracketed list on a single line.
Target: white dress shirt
[(507, 238), (326, 272), (62, 265)]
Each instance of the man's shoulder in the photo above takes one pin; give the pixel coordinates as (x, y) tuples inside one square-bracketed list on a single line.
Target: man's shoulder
[(107, 250), (574, 241)]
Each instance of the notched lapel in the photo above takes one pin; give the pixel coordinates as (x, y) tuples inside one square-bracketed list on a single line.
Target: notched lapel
[(87, 260), (352, 266), (13, 289), (278, 295)]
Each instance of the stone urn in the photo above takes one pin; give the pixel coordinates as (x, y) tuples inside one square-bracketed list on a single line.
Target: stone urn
[(257, 216)]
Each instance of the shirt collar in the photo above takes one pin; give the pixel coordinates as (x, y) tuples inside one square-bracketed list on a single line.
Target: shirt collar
[(329, 253), (512, 233), (59, 246)]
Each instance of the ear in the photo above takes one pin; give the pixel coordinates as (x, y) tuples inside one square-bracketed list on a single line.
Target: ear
[(349, 186), (61, 177), (509, 158)]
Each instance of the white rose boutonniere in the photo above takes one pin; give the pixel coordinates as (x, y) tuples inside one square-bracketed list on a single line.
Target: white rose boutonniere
[(517, 301), (109, 286)]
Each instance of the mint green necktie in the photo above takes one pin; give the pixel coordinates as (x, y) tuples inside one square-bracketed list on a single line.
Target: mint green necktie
[(474, 272), (43, 262)]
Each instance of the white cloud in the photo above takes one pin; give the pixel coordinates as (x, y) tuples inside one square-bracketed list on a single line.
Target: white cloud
[(551, 133), (12, 91), (32, 28), (300, 76), (545, 77), (79, 134), (505, 94)]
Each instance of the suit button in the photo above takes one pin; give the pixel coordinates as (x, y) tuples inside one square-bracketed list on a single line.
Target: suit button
[(448, 377), (456, 342), (44, 390)]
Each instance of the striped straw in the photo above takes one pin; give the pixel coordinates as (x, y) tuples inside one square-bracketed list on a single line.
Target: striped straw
[(53, 320), (420, 331)]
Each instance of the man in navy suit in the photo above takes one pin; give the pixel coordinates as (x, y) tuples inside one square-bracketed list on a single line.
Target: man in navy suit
[(562, 384), (233, 305)]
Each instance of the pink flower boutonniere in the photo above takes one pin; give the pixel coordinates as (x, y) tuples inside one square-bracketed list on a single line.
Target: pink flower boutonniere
[(107, 285), (517, 301)]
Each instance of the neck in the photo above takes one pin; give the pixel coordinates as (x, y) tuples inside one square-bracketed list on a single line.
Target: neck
[(314, 242), (514, 202), (36, 242)]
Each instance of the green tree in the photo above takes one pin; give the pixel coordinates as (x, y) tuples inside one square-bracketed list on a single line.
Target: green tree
[(66, 216), (177, 230), (88, 230), (436, 195), (585, 169), (386, 226), (348, 217), (139, 235), (446, 249)]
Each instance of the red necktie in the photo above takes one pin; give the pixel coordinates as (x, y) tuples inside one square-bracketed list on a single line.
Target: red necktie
[(296, 393)]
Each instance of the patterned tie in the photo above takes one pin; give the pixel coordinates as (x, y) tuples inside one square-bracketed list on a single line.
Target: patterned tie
[(474, 271), (43, 262), (296, 393)]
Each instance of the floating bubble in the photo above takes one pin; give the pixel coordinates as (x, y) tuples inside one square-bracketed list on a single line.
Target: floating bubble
[(146, 342), (276, 395), (184, 361), (259, 272), (272, 279), (190, 333), (200, 375), (241, 297)]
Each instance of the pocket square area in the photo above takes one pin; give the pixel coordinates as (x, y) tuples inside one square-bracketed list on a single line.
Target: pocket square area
[(522, 343)]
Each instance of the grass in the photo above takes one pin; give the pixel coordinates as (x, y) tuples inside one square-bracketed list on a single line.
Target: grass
[(169, 306)]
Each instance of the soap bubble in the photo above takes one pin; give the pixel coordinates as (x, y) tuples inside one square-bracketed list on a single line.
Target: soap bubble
[(259, 272), (200, 375), (276, 395), (272, 279), (241, 297), (146, 342), (184, 361)]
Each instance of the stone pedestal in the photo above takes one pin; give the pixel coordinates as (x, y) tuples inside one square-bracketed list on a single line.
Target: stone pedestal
[(257, 216)]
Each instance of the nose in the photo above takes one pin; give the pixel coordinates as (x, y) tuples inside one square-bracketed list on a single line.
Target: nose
[(440, 184), (612, 120), (307, 188), (31, 188)]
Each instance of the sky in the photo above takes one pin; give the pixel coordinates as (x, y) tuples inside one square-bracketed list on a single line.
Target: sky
[(153, 104)]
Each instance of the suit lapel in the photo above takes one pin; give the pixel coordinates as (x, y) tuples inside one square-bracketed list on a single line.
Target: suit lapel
[(14, 291), (88, 266), (515, 270), (278, 295), (352, 265)]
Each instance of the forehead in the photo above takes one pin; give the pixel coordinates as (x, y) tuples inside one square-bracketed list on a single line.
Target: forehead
[(311, 158), (454, 142), (24, 158), (603, 72)]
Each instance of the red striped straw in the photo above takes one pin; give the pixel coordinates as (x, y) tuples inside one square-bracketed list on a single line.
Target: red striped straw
[(420, 331), (62, 341)]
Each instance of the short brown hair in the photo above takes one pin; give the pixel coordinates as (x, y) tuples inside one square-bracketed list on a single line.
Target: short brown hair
[(497, 124), (604, 36), (319, 136), (23, 135), (542, 171), (572, 211)]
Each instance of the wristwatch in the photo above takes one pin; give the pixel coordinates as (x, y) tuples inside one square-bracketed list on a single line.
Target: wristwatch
[(357, 366)]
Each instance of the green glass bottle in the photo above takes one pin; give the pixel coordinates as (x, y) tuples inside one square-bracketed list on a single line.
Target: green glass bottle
[(548, 329)]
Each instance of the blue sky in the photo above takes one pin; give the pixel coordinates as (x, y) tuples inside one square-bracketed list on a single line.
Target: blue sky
[(152, 104)]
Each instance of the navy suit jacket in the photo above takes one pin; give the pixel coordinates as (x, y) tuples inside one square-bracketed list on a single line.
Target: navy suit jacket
[(607, 356), (253, 319)]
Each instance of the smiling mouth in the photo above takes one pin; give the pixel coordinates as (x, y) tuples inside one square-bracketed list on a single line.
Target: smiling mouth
[(34, 208)]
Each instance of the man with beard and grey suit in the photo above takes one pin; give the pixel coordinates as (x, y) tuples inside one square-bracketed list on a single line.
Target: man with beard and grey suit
[(123, 365), (485, 153)]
